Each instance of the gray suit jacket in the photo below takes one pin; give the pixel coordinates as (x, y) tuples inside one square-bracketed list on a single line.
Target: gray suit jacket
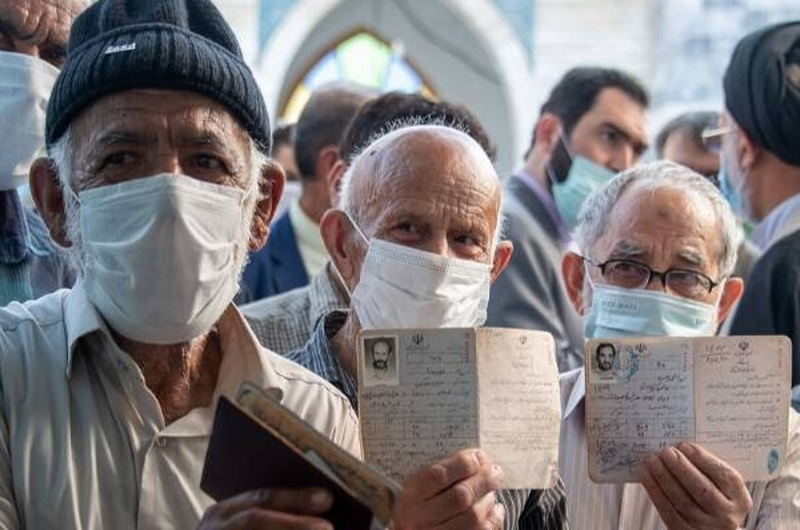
[(530, 293)]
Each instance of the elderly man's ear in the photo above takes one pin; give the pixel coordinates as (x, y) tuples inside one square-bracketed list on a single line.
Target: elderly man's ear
[(502, 255), (270, 187), (731, 292), (49, 199), (336, 230), (573, 272)]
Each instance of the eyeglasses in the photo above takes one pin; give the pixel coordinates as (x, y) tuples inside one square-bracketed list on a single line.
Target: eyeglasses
[(712, 137), (634, 275)]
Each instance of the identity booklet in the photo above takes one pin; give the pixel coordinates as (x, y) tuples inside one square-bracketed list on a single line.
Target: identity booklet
[(425, 394), (258, 443), (730, 395)]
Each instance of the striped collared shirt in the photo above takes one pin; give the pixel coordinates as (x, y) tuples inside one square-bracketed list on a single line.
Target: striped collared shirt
[(776, 504), (318, 356), (284, 323), (525, 509)]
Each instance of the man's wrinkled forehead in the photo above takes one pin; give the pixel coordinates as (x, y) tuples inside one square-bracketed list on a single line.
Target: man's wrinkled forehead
[(650, 220), (149, 112), (417, 148), (433, 164), (39, 21)]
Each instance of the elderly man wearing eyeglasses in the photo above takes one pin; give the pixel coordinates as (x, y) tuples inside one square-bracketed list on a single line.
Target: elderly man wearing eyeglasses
[(657, 249)]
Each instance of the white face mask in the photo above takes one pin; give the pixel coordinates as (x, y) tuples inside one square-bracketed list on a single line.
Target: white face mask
[(162, 254), (402, 287), (25, 86)]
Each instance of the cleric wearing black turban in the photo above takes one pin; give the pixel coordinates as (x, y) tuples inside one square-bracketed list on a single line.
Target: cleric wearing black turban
[(760, 176)]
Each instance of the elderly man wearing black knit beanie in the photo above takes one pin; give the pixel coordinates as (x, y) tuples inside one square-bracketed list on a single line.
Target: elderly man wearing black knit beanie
[(158, 184)]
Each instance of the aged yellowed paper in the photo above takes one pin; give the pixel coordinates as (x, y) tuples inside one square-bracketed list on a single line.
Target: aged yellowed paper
[(728, 394), (425, 394)]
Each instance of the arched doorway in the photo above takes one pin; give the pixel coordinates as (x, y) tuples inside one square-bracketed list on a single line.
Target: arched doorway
[(359, 56), (463, 49)]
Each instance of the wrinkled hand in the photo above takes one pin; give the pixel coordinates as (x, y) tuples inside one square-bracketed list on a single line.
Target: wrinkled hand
[(277, 509), (454, 494), (693, 489)]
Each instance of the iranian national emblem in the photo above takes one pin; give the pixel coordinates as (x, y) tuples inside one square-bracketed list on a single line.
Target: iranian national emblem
[(418, 339)]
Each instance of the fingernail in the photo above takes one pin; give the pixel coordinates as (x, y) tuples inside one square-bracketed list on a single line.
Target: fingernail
[(320, 498), (685, 448), (498, 472), (499, 511), (480, 456)]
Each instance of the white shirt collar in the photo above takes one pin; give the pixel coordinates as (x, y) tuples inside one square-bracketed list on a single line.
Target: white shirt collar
[(243, 358), (576, 393)]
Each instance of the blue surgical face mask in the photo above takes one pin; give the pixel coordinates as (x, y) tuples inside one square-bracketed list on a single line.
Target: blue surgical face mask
[(732, 193), (617, 312), (731, 180), (583, 179)]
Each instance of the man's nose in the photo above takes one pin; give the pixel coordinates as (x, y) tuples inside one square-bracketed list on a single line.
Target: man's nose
[(168, 163), (623, 159), (438, 244), (656, 284)]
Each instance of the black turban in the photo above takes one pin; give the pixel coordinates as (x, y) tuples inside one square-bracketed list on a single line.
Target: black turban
[(762, 89)]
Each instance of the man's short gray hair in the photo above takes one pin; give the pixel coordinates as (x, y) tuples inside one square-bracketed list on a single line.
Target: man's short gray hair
[(596, 210)]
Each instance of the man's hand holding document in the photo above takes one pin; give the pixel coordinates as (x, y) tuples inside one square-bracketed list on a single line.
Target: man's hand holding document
[(723, 402), (428, 393)]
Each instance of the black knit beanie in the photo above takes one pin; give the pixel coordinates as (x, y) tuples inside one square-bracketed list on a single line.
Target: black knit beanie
[(118, 45)]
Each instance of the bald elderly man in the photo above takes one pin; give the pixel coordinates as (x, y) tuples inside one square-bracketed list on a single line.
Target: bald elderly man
[(416, 242), (33, 46), (660, 240)]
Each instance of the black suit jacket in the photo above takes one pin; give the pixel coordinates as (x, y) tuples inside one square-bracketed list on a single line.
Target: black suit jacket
[(276, 268)]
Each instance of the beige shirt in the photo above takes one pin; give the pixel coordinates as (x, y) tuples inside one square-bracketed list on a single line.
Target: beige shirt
[(776, 504), (83, 444), (309, 240)]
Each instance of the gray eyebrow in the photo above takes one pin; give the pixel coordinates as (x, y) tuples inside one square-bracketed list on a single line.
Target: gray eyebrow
[(118, 136), (692, 256), (626, 249)]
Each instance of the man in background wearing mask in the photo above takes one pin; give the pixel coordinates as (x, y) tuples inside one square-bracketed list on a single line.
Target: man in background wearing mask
[(33, 46), (285, 322), (658, 245), (681, 141), (158, 183), (416, 243), (295, 252), (761, 176), (592, 126)]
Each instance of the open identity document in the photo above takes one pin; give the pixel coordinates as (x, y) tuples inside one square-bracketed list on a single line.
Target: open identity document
[(258, 443), (729, 395), (425, 394)]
